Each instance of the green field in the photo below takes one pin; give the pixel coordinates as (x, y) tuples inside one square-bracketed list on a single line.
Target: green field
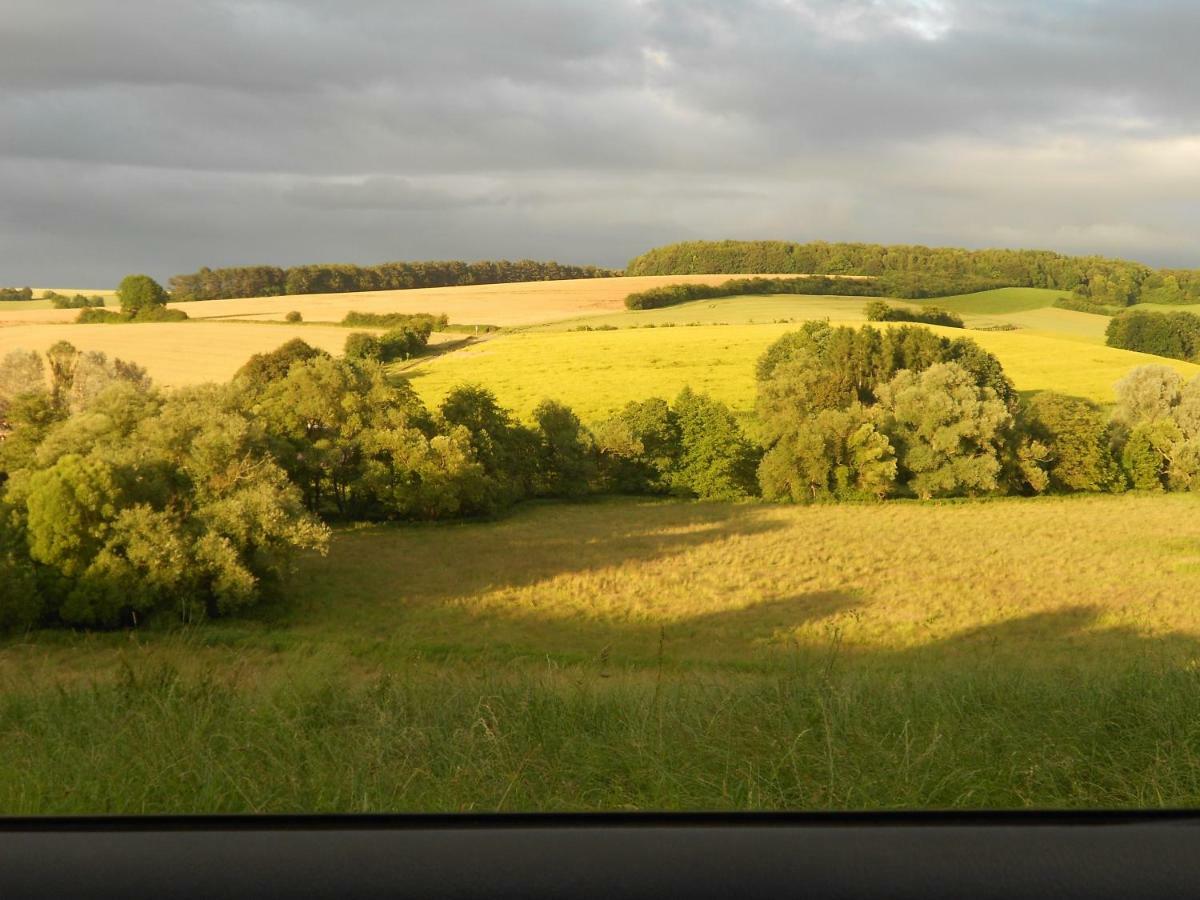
[(645, 655), (597, 372)]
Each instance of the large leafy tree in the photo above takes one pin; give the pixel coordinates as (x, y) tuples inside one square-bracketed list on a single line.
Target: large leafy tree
[(139, 294), (949, 433)]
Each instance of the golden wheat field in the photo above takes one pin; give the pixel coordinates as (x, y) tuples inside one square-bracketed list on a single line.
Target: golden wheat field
[(179, 353), (484, 304)]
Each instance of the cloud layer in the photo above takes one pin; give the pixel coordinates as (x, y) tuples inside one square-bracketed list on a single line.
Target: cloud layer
[(159, 136)]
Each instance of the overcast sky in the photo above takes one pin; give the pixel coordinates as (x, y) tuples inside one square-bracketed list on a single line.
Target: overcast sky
[(162, 135)]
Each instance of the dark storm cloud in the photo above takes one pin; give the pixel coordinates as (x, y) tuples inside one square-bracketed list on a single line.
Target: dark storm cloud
[(163, 135)]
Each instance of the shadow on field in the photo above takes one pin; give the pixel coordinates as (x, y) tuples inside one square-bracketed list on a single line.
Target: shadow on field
[(461, 591), (392, 564), (1070, 634)]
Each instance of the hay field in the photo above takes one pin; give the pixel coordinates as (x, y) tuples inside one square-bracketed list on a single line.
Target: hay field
[(179, 353), (512, 304), (597, 372)]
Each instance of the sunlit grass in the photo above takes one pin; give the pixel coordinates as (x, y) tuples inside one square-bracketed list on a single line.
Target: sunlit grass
[(635, 654)]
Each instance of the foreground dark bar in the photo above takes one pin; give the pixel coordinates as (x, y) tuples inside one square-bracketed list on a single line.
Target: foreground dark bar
[(979, 855)]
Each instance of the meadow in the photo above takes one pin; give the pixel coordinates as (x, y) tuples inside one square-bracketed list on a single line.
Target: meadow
[(641, 654)]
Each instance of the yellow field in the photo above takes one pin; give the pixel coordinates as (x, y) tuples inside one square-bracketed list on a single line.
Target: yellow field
[(179, 353), (485, 304), (596, 372)]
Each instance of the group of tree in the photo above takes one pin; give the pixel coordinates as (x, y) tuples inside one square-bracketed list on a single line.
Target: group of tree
[(858, 413), (142, 299), (118, 501), (1112, 282), (10, 293), (394, 344), (271, 281), (1172, 334), (882, 311), (883, 286), (77, 301)]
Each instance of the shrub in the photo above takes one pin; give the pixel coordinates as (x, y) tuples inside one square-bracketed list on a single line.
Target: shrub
[(420, 321), (402, 343), (1082, 304), (24, 293), (566, 459), (640, 447), (1172, 334), (293, 316), (716, 460), (362, 345), (99, 315), (262, 369), (1077, 435), (881, 311), (79, 301)]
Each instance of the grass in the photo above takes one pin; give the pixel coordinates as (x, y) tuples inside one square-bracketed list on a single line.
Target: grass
[(641, 654), (597, 372)]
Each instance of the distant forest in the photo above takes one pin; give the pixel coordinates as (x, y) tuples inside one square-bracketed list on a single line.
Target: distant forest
[(1111, 282), (336, 278)]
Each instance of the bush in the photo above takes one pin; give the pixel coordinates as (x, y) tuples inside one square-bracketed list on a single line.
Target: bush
[(24, 293), (402, 343), (566, 459), (1082, 304), (881, 311), (421, 321), (1078, 437), (640, 448), (79, 301), (362, 345), (716, 460), (1171, 334), (97, 315), (293, 317), (262, 369)]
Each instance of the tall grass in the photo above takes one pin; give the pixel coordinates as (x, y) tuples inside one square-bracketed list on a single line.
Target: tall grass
[(429, 739)]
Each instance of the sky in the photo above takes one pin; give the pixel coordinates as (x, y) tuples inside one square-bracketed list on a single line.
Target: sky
[(162, 135)]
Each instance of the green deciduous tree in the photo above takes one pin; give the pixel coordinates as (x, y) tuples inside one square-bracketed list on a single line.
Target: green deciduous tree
[(1079, 442), (948, 432), (566, 452), (640, 447), (717, 461), (140, 293)]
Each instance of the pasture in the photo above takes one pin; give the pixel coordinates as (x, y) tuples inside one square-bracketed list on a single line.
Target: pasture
[(640, 654)]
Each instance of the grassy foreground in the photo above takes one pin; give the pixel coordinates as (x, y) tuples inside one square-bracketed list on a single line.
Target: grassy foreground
[(635, 654)]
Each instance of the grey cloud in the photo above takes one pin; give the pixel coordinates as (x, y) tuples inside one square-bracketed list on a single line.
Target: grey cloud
[(166, 135)]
